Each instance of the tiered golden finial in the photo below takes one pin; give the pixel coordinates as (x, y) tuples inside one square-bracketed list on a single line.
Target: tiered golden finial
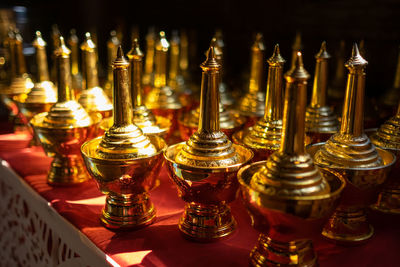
[(43, 94), (229, 122), (162, 99), (124, 162), (287, 195), (351, 153), (388, 137), (321, 122), (64, 128), (226, 97), (204, 167), (265, 136), (148, 75), (142, 116), (112, 47), (252, 104), (92, 98), (73, 43)]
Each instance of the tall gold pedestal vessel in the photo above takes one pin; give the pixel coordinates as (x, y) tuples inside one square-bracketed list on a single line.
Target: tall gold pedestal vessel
[(124, 162), (287, 196), (350, 153), (265, 136), (43, 94), (252, 104), (321, 121), (64, 128), (204, 168), (162, 100), (388, 137), (92, 97)]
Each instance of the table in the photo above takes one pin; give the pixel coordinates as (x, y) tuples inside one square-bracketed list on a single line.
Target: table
[(43, 225)]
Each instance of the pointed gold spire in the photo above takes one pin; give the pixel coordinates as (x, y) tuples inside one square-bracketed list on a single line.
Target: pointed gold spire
[(321, 122), (209, 146), (124, 139), (162, 48), (184, 55), (20, 58), (112, 47), (266, 133), (149, 58), (174, 61), (73, 43), (41, 57), (135, 56), (252, 103), (351, 147)]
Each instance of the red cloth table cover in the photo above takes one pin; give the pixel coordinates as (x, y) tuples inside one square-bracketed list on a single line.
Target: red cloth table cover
[(161, 244)]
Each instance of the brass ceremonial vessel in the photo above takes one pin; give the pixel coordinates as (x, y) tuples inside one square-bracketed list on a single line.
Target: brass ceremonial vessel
[(204, 167), (142, 116), (252, 104), (162, 100), (350, 153), (21, 83), (43, 94), (321, 121), (265, 136), (64, 128), (287, 196), (388, 137), (124, 162), (92, 98)]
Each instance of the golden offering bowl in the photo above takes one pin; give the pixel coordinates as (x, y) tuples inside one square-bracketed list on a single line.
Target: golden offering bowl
[(207, 192), (287, 222), (348, 224), (126, 183), (63, 144)]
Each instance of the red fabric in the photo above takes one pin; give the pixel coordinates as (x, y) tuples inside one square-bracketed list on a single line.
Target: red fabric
[(161, 243)]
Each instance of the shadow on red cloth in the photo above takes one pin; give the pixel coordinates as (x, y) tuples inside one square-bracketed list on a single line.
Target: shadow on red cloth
[(161, 244)]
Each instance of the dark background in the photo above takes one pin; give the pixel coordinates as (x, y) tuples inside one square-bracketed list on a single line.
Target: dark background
[(377, 22)]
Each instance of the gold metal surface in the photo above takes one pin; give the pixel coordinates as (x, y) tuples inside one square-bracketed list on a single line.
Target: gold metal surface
[(204, 168), (92, 98), (265, 136), (296, 47), (252, 104), (148, 76), (288, 196), (321, 122), (64, 128), (43, 94), (388, 137), (112, 47), (124, 162), (351, 153), (73, 43)]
